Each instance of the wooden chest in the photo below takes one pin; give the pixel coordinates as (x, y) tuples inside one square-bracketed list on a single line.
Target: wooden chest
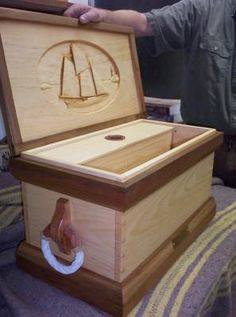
[(126, 194)]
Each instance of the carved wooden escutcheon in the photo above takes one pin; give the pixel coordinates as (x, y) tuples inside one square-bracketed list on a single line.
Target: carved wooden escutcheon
[(60, 230)]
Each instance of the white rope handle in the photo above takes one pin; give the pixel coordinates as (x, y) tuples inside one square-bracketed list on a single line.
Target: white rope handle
[(58, 266)]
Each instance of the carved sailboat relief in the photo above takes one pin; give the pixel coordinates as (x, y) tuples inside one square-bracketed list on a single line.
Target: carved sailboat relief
[(81, 74), (79, 80)]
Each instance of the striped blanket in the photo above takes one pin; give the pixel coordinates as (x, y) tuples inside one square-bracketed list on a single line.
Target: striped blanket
[(10, 206), (201, 283)]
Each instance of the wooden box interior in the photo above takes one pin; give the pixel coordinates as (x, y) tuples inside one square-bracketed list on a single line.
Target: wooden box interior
[(123, 151), (115, 150)]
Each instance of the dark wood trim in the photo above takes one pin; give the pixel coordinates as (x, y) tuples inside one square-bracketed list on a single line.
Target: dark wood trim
[(115, 298), (64, 182), (107, 193), (7, 105), (137, 73), (47, 6)]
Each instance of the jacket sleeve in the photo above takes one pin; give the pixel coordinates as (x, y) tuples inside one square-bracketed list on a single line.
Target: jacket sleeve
[(173, 25)]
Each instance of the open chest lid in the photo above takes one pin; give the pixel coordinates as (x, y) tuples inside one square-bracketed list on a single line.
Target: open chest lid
[(59, 79)]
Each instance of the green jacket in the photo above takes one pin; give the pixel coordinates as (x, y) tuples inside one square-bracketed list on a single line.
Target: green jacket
[(205, 30)]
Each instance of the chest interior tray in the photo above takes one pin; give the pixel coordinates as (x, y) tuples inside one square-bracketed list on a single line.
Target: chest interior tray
[(118, 152)]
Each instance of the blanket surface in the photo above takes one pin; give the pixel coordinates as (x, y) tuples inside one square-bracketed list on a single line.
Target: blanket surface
[(200, 283)]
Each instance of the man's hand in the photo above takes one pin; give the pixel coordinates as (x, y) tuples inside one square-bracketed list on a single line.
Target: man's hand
[(133, 19), (86, 13)]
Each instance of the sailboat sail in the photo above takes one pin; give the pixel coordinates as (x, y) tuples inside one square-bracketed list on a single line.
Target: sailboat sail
[(87, 84), (100, 89), (80, 60), (79, 79), (69, 82)]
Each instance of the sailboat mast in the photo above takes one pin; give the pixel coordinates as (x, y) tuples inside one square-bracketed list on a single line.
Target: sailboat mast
[(75, 68), (62, 75), (93, 79)]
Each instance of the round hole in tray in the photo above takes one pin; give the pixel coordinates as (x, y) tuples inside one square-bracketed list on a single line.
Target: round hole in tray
[(115, 137)]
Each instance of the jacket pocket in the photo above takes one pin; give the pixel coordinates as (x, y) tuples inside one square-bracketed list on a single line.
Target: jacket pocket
[(216, 47), (215, 59)]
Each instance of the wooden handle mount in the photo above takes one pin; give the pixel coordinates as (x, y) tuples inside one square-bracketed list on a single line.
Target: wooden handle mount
[(60, 230)]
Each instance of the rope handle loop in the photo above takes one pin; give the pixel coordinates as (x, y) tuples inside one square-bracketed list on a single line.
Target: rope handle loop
[(58, 266)]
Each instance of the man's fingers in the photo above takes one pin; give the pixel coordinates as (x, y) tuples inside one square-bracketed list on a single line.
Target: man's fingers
[(85, 13), (90, 16), (76, 10)]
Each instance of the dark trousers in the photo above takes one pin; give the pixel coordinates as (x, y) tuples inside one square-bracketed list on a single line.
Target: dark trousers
[(225, 161)]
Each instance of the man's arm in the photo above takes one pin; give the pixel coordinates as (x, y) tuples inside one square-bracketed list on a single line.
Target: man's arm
[(131, 18)]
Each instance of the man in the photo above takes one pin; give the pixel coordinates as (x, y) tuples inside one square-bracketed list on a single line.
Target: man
[(205, 29)]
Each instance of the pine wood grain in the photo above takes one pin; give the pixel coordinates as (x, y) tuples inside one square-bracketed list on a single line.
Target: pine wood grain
[(94, 225), (135, 154), (151, 270), (87, 147), (21, 147), (150, 222), (142, 140), (41, 110), (7, 105), (105, 158)]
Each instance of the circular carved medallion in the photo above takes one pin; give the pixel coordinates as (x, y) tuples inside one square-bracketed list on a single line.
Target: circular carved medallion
[(78, 75)]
